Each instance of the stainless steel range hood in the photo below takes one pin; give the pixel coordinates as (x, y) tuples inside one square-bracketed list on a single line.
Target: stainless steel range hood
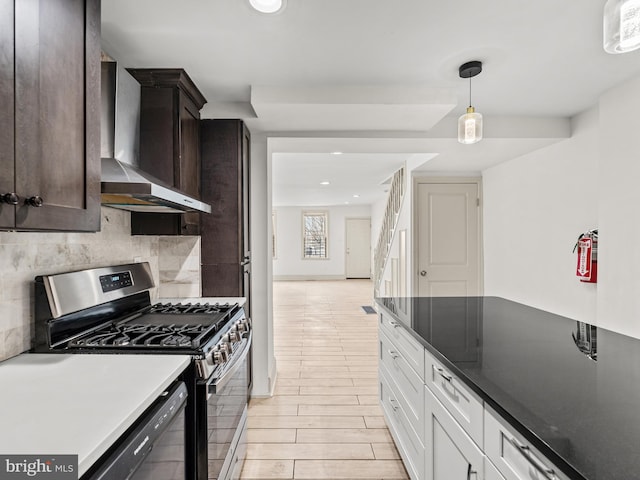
[(129, 188), (123, 185)]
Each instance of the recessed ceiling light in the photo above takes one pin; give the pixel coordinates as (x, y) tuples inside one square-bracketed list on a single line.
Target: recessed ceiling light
[(336, 153), (325, 183), (346, 203), (268, 6), (356, 196)]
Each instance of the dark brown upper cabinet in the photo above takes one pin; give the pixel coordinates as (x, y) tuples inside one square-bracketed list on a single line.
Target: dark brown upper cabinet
[(226, 252), (170, 106), (50, 115)]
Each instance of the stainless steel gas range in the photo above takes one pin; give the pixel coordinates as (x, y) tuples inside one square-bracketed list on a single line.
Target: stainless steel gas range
[(109, 310)]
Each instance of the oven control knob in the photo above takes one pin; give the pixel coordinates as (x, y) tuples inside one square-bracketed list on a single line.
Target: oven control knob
[(242, 326), (225, 349), (234, 336), (219, 357)]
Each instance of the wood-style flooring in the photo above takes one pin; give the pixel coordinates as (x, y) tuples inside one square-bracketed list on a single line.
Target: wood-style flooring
[(324, 421)]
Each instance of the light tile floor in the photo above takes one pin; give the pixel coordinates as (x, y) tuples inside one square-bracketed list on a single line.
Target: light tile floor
[(324, 421)]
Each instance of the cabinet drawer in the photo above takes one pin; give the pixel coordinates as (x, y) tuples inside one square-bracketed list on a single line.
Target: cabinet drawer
[(410, 385), (512, 455), (409, 346), (464, 405), (450, 452), (409, 445)]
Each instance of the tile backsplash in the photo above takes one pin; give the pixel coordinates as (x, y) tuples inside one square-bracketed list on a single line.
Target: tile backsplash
[(174, 261)]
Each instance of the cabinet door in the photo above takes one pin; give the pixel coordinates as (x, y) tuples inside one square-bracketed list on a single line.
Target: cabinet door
[(57, 113), (7, 211), (246, 194), (450, 452), (188, 173)]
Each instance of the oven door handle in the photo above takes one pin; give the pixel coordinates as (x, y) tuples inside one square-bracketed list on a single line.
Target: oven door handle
[(216, 384)]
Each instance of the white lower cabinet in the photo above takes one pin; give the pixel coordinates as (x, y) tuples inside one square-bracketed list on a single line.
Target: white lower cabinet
[(450, 454), (404, 433), (464, 405), (512, 455), (442, 429)]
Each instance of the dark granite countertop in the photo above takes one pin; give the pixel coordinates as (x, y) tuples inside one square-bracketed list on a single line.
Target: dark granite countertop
[(571, 389)]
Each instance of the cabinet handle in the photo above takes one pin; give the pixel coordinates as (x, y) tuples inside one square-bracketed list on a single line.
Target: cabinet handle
[(11, 198), (394, 324), (392, 402), (393, 354), (35, 201), (442, 373), (471, 472), (545, 471)]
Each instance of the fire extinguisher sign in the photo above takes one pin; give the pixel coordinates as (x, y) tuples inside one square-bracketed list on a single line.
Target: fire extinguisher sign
[(585, 251)]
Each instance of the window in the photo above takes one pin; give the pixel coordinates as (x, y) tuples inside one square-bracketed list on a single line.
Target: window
[(273, 234), (315, 236)]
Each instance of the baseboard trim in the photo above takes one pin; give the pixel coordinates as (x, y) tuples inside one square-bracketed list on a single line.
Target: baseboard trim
[(290, 278), (273, 376)]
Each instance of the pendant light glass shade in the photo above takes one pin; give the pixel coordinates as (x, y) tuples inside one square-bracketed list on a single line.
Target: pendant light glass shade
[(621, 28), (267, 6), (470, 127), (470, 124)]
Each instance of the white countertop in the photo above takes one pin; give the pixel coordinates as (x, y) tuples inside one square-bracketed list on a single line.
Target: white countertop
[(239, 300), (77, 404)]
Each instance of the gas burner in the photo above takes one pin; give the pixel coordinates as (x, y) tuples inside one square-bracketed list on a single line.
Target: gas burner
[(191, 308), (132, 335)]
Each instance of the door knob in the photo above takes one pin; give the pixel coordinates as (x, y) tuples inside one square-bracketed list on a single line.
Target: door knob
[(423, 273)]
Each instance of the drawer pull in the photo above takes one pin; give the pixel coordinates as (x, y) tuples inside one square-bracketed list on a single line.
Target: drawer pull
[(392, 402), (393, 354), (394, 324), (471, 472), (547, 472), (442, 373)]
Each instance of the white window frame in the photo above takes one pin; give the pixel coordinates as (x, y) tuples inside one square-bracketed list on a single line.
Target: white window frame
[(325, 214)]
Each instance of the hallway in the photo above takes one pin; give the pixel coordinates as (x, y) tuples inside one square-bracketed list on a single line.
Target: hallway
[(324, 421)]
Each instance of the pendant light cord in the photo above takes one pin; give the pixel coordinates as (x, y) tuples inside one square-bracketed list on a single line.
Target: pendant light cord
[(469, 91)]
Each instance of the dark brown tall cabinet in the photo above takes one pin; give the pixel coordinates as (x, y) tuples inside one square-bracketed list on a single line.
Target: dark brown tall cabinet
[(50, 115), (170, 106), (226, 252)]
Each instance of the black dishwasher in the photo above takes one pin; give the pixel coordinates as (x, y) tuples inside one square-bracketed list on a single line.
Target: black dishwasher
[(153, 448)]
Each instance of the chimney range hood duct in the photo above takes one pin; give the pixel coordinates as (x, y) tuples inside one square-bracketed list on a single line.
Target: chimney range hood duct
[(125, 186)]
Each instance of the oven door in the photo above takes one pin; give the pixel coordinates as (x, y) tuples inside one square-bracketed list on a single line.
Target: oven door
[(223, 440)]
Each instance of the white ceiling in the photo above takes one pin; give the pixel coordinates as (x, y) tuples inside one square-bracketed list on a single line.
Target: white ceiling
[(377, 79)]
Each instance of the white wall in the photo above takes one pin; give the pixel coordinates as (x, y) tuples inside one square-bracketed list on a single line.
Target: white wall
[(263, 360), (536, 205), (619, 209), (534, 209), (289, 263)]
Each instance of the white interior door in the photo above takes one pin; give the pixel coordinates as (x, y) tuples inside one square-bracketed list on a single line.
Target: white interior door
[(448, 243), (358, 245)]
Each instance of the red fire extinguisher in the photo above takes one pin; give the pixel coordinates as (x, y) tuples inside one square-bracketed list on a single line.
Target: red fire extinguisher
[(587, 246)]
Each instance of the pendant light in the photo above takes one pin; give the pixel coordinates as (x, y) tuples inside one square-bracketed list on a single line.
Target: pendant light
[(621, 26), (268, 6), (470, 124)]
